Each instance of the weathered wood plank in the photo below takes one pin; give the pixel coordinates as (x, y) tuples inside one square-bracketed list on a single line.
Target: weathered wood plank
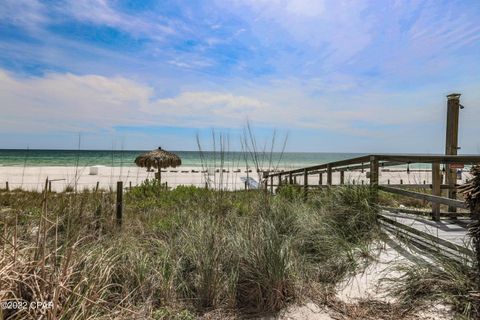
[(431, 232), (415, 158), (423, 196), (329, 175), (436, 189), (387, 160), (418, 186)]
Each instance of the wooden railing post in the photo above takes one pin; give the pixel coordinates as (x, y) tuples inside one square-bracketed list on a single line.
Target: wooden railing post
[(119, 202), (374, 175), (271, 184), (329, 174), (320, 178), (290, 178), (305, 184), (436, 190), (342, 177), (451, 143)]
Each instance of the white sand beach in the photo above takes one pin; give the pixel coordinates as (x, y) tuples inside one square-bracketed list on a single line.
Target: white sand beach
[(33, 178)]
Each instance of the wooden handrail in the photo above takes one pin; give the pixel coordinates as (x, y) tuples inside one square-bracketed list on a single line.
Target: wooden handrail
[(385, 160), (374, 163), (424, 196)]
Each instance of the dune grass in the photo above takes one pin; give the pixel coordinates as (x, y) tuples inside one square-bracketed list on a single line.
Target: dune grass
[(180, 253), (443, 281)]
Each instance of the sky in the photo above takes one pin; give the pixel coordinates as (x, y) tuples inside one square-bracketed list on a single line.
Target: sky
[(332, 76)]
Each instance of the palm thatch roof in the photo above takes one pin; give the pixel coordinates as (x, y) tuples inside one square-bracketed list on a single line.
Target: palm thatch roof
[(157, 159)]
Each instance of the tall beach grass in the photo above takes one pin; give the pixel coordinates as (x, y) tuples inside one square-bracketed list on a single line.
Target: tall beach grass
[(180, 253)]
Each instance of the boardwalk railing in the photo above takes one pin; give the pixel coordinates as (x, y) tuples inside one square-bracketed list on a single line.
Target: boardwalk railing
[(372, 165)]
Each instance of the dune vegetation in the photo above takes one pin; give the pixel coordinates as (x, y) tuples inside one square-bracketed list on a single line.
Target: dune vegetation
[(180, 253)]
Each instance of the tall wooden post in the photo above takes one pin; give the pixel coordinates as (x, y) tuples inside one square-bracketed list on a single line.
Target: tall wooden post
[(290, 178), (119, 202), (6, 186), (451, 143), (342, 177), (329, 174), (374, 173), (320, 178), (305, 184), (271, 184), (436, 190)]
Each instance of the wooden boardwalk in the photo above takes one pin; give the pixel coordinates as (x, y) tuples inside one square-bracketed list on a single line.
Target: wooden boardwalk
[(447, 235)]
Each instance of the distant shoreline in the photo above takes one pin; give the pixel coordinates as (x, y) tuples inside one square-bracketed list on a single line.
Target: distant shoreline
[(189, 158), (33, 178)]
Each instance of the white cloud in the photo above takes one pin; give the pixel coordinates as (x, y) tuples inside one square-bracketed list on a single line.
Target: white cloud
[(63, 101), (91, 102), (25, 13), (101, 12), (340, 29), (33, 16), (73, 103)]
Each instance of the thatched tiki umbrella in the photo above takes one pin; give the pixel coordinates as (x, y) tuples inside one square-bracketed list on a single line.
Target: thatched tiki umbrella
[(158, 159)]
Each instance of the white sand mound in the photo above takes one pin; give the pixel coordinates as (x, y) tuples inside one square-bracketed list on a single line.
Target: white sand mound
[(305, 312)]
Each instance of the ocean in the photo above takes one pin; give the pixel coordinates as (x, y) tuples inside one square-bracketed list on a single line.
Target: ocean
[(116, 158)]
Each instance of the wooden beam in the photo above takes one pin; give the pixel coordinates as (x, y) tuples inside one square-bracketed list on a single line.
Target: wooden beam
[(436, 189), (271, 184), (418, 186), (119, 203), (339, 163), (453, 111), (423, 196), (417, 211), (386, 160), (374, 172), (416, 158), (428, 236), (342, 177), (451, 142), (305, 185), (374, 176), (329, 174)]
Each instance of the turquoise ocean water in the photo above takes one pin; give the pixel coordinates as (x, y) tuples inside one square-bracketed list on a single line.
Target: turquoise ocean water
[(189, 158)]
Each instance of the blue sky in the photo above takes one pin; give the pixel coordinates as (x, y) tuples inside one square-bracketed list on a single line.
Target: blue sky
[(336, 76)]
